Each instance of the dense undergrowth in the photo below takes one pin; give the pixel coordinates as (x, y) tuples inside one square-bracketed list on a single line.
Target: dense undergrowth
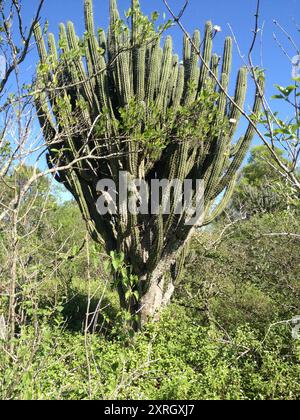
[(175, 359), (225, 336)]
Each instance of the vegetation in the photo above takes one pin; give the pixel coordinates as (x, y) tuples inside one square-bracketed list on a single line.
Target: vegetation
[(76, 287), (261, 188), (226, 335)]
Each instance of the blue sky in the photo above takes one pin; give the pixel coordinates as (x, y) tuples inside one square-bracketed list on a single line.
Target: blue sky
[(238, 13)]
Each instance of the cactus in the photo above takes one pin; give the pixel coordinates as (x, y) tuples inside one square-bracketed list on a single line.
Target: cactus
[(182, 126)]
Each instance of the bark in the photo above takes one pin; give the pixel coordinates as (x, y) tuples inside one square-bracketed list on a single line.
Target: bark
[(152, 303), (157, 287), (161, 287)]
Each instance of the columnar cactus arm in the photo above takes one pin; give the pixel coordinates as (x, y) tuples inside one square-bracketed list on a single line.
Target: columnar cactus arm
[(63, 38), (102, 40), (41, 98), (53, 50), (95, 223), (89, 19), (138, 54), (187, 50), (178, 91), (180, 167), (222, 142), (227, 56), (172, 82), (113, 36), (242, 147), (120, 53), (215, 60), (156, 249), (209, 147), (154, 68), (139, 71), (178, 269), (239, 97), (77, 70), (227, 61), (207, 53), (44, 115), (40, 43), (96, 62), (165, 73), (193, 71), (221, 206)]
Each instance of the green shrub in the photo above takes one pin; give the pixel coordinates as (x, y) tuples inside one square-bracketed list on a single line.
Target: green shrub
[(176, 358)]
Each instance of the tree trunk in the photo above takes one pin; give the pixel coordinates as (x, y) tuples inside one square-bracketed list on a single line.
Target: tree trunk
[(157, 297), (156, 288), (151, 303)]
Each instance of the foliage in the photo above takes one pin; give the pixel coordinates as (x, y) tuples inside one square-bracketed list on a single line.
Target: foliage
[(283, 131), (249, 272), (213, 342), (175, 359), (261, 188), (227, 334), (286, 131), (259, 168)]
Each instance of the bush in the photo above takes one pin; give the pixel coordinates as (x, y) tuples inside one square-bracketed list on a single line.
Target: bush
[(245, 274), (174, 359), (224, 336)]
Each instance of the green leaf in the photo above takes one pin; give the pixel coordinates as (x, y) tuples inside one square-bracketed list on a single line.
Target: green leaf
[(128, 294), (154, 16), (115, 265), (277, 97), (286, 91)]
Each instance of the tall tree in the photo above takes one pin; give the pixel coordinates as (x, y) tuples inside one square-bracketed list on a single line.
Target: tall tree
[(122, 103)]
